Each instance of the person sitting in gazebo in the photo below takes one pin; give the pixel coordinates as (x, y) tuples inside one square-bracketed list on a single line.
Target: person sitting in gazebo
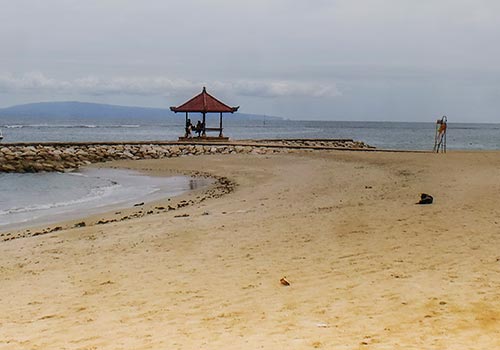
[(198, 128), (189, 128)]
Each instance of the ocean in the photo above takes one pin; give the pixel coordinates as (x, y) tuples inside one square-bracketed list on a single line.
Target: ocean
[(385, 135), (27, 199)]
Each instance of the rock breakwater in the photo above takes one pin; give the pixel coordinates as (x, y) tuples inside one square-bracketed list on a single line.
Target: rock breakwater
[(39, 157)]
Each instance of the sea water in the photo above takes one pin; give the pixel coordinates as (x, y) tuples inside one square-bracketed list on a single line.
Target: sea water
[(384, 135), (50, 197)]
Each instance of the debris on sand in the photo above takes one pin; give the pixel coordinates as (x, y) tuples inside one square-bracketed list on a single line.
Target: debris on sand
[(284, 282), (425, 199)]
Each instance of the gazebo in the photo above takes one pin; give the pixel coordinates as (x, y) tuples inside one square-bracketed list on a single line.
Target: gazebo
[(204, 103)]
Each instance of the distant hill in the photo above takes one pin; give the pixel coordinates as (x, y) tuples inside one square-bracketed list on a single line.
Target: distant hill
[(83, 110)]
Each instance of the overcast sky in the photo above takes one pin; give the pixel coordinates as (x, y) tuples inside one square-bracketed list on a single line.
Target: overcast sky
[(401, 60)]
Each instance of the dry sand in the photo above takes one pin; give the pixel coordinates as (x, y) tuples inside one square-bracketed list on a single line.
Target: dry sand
[(368, 268)]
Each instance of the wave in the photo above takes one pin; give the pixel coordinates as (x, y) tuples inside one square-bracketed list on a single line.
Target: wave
[(69, 126), (12, 126), (489, 127), (94, 194)]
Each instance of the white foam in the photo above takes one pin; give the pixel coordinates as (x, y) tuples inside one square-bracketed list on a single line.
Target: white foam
[(94, 195), (71, 126)]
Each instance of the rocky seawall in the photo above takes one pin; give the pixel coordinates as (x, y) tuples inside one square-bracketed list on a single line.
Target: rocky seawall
[(37, 157)]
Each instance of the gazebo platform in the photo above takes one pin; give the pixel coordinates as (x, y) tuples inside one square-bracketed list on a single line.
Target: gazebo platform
[(204, 139)]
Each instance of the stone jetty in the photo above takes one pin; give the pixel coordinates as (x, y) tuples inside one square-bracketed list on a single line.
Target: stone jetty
[(55, 156)]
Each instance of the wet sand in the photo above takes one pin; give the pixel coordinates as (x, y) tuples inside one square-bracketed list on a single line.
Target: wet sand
[(368, 269)]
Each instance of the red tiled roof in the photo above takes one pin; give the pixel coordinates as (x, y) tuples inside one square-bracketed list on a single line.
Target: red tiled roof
[(204, 103)]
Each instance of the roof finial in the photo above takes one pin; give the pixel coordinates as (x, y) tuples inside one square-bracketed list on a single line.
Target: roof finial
[(204, 89)]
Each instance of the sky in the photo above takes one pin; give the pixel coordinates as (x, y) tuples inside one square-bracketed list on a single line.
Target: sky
[(383, 60)]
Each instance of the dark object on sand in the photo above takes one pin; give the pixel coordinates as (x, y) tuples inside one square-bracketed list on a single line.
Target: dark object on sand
[(138, 204), (284, 282), (425, 199)]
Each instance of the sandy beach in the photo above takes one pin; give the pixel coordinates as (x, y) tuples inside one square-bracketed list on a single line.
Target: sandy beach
[(368, 269)]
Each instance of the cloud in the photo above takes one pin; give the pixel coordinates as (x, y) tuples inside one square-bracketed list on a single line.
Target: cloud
[(37, 82), (31, 81), (280, 89)]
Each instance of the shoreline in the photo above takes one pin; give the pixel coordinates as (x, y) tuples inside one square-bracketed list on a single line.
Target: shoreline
[(106, 190), (368, 268), (127, 211)]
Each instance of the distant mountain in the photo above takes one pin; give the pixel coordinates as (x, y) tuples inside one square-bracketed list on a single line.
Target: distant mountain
[(83, 110)]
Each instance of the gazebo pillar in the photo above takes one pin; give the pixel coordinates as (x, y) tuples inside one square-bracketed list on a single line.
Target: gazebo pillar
[(204, 125), (220, 125)]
